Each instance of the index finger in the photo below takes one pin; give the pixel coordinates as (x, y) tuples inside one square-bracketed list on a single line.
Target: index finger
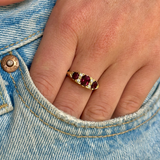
[(54, 56)]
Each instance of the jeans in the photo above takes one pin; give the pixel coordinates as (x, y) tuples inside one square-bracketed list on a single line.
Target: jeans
[(33, 128)]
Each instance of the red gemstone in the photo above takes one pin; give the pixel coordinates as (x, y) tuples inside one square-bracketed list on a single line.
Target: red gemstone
[(94, 85), (75, 75), (85, 80)]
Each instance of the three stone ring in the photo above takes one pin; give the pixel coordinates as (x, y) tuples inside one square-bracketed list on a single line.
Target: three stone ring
[(83, 80)]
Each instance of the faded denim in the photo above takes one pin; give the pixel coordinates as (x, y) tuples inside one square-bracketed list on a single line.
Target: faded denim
[(31, 128)]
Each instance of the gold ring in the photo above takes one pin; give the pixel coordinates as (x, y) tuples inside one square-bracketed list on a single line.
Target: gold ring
[(83, 80)]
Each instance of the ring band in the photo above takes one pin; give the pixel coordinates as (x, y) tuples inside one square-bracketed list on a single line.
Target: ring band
[(83, 80)]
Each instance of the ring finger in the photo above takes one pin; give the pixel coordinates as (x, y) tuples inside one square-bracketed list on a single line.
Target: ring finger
[(72, 98)]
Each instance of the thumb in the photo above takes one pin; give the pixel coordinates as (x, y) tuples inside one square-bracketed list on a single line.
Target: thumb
[(7, 2)]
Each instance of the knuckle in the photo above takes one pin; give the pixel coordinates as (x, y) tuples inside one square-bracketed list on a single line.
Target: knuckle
[(75, 17), (99, 112), (44, 86), (106, 38), (67, 26), (130, 104), (102, 43), (67, 106)]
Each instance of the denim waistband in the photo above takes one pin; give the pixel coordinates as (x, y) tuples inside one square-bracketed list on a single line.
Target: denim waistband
[(23, 22)]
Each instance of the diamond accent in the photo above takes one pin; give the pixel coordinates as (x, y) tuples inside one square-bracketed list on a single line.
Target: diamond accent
[(80, 75), (92, 80), (78, 81), (89, 86)]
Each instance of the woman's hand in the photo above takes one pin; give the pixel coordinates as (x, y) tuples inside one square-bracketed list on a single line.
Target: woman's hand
[(115, 42)]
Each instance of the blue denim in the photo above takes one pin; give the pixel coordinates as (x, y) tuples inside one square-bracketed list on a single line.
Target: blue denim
[(31, 128)]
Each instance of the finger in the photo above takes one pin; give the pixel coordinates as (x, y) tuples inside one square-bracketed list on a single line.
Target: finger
[(72, 97), (103, 102), (7, 2), (136, 91), (53, 57)]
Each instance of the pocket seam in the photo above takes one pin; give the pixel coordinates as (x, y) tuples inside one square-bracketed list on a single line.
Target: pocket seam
[(3, 106), (11, 45)]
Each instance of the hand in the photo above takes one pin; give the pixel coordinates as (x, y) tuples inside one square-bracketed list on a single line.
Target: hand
[(115, 42)]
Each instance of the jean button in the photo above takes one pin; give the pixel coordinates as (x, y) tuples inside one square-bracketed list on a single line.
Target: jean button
[(10, 63)]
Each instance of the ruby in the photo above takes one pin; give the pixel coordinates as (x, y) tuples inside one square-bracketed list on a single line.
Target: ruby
[(94, 85), (75, 75), (85, 80)]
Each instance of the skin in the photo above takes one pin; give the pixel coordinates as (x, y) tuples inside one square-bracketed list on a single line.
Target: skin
[(115, 42), (7, 2)]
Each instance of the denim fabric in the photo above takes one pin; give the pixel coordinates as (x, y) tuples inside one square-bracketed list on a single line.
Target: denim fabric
[(31, 128)]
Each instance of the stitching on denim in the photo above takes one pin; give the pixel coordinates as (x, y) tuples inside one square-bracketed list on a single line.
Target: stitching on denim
[(2, 97), (3, 106), (73, 135), (4, 103), (21, 40), (74, 124)]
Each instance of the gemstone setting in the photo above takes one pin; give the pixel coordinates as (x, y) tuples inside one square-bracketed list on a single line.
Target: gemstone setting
[(85, 80), (75, 75), (78, 81), (94, 85)]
